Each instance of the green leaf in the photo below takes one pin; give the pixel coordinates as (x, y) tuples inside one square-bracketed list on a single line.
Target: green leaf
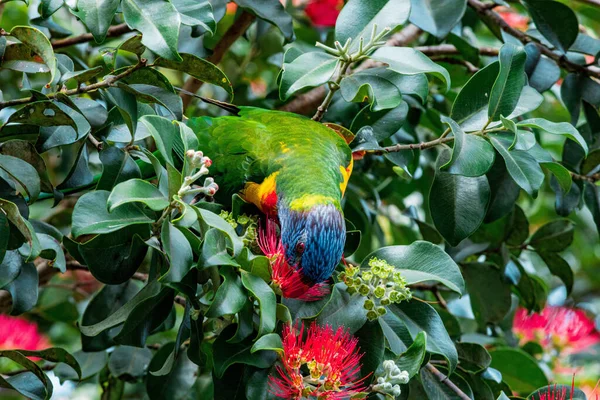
[(556, 21), (10, 266), (31, 366), (179, 252), (119, 316), (200, 69), (474, 97), (309, 70), (126, 105), (39, 43), (41, 113), (412, 359), (436, 389), (473, 357), (145, 317), (340, 310), (521, 166), (90, 215), (97, 16), (129, 363), (194, 13), (117, 166), (158, 21), (24, 290), (437, 17), (488, 292), (371, 342), (378, 86), (420, 262), (230, 297), (455, 217), (547, 392), (519, 370), (82, 76), (122, 254), (214, 250), (509, 83), (178, 384), (137, 191), (270, 341), (471, 156), (560, 128), (545, 74), (357, 18), (50, 245), (49, 7), (226, 354), (13, 214), (383, 123), (414, 317), (563, 176), (56, 355), (90, 364), (408, 61), (271, 12), (559, 267), (23, 173), (153, 94), (104, 303), (213, 220), (267, 302), (555, 236)]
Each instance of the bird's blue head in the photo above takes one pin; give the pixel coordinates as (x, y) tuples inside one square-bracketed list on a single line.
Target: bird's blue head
[(313, 239)]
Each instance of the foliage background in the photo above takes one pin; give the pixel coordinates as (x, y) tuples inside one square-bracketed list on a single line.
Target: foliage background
[(388, 198)]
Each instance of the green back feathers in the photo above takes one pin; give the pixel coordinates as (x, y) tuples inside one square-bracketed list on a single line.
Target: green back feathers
[(260, 142)]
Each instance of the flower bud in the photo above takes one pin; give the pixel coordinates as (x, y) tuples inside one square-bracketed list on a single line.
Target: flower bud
[(369, 304), (372, 315), (381, 311), (364, 289), (379, 292)]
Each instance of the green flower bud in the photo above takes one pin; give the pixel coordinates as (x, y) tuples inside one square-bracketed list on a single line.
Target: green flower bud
[(367, 275), (364, 289), (372, 315), (385, 301), (381, 311), (351, 290), (379, 292), (358, 281), (369, 304)]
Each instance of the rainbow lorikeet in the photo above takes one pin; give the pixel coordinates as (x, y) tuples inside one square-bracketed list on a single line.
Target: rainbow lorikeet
[(293, 169)]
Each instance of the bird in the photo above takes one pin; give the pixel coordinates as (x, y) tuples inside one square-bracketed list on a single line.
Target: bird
[(294, 170)]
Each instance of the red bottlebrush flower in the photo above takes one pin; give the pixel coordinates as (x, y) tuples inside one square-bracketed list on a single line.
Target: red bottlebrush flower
[(289, 280), (331, 362), (323, 13), (17, 333), (569, 329), (513, 19)]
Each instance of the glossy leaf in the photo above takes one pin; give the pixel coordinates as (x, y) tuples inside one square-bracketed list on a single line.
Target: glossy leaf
[(271, 341), (488, 292), (179, 253), (271, 12), (23, 173), (554, 236), (408, 61), (556, 21), (158, 21), (39, 43), (519, 369), (195, 13), (420, 262), (230, 297), (97, 16), (136, 191), (509, 83), (308, 70), (412, 359), (561, 128), (437, 17), (471, 156)]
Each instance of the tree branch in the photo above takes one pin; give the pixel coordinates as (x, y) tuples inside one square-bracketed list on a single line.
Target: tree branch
[(237, 29), (410, 146), (306, 103), (82, 89), (450, 50), (484, 11), (444, 379), (115, 30)]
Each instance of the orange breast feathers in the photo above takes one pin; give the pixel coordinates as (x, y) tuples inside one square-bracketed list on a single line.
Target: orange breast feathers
[(262, 195)]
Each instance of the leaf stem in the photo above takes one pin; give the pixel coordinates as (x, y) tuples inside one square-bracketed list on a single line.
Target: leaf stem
[(333, 87), (446, 381)]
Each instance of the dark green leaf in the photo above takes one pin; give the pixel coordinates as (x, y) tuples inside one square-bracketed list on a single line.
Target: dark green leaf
[(488, 291), (90, 363), (41, 113), (10, 267), (377, 86), (13, 214), (23, 173), (129, 363), (412, 359), (372, 344), (556, 21), (309, 70), (267, 302), (474, 97), (195, 13), (509, 83), (471, 156), (561, 128), (90, 215), (97, 16), (504, 191), (136, 191), (179, 252), (272, 12), (357, 18), (178, 383), (519, 370), (270, 341), (563, 176), (473, 357), (117, 166), (554, 236), (437, 17), (39, 43), (158, 21), (230, 297), (408, 61), (24, 290), (559, 267), (455, 217), (436, 389)]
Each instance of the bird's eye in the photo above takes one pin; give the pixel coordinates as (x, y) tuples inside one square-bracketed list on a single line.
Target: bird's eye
[(300, 247)]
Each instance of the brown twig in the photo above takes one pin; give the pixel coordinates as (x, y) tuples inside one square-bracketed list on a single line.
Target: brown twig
[(116, 30), (590, 178), (309, 101), (457, 61), (237, 29), (410, 146), (493, 17), (450, 50), (85, 89), (444, 379)]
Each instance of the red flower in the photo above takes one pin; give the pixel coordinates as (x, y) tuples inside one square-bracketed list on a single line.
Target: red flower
[(513, 19), (289, 280), (568, 329), (331, 359), (17, 333), (323, 13)]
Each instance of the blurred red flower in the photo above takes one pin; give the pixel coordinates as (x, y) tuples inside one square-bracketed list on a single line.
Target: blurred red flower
[(568, 329), (331, 358), (289, 280), (17, 333), (323, 13), (513, 19)]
